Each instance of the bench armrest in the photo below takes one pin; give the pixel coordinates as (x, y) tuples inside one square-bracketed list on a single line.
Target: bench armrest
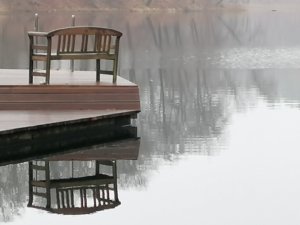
[(37, 34)]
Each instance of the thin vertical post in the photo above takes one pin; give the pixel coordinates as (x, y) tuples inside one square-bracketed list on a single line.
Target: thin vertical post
[(73, 20), (115, 178), (30, 175), (72, 168), (36, 28), (36, 22), (47, 179), (72, 61), (48, 66), (97, 169), (30, 59)]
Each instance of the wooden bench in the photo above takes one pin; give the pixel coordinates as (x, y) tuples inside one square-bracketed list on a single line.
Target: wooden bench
[(74, 43)]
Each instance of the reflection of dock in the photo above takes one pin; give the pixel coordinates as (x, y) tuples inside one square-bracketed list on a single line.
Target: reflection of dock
[(72, 111), (122, 149), (78, 195)]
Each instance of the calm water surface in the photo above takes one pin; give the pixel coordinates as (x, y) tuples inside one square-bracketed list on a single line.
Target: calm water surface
[(220, 120)]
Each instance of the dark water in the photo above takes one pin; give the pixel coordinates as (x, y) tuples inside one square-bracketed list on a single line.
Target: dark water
[(220, 120)]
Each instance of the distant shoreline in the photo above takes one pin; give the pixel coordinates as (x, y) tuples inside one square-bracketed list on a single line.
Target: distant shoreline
[(137, 10), (228, 7)]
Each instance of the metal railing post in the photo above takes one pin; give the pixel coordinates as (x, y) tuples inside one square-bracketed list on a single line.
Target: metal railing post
[(36, 28), (72, 61), (36, 22)]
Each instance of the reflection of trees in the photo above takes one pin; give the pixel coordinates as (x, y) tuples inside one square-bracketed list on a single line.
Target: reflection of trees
[(185, 107), (13, 190), (265, 86), (153, 38)]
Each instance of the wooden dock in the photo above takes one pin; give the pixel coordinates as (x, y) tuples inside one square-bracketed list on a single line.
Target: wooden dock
[(71, 111), (67, 91)]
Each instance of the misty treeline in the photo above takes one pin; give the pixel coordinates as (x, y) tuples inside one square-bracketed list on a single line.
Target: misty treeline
[(49, 5), (194, 2)]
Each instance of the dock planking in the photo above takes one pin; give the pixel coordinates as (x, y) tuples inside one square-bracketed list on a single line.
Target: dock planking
[(71, 112), (70, 96), (67, 91)]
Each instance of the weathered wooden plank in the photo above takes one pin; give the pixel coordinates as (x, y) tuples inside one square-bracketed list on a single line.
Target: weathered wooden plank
[(39, 57), (131, 105), (127, 149), (82, 181), (76, 97), (62, 77), (40, 74), (66, 89), (70, 97), (39, 47)]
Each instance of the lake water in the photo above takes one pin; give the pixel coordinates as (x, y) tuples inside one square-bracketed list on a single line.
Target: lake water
[(220, 120)]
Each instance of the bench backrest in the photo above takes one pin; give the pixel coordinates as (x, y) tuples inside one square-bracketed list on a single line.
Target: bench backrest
[(78, 40)]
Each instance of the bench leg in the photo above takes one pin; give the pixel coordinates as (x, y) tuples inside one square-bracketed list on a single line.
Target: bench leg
[(98, 70), (115, 70), (30, 71), (30, 65), (48, 66)]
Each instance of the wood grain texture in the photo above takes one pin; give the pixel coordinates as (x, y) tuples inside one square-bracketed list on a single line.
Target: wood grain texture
[(123, 95), (127, 149)]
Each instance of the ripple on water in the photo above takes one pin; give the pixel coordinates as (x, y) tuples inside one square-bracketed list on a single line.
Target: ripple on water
[(257, 58)]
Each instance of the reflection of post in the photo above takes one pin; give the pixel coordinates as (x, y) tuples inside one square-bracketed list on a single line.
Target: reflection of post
[(72, 61)]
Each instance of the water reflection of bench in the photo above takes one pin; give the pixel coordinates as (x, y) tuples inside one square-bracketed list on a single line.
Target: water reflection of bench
[(74, 43), (73, 195)]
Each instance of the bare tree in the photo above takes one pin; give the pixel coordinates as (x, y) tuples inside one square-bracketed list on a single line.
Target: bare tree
[(147, 2)]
